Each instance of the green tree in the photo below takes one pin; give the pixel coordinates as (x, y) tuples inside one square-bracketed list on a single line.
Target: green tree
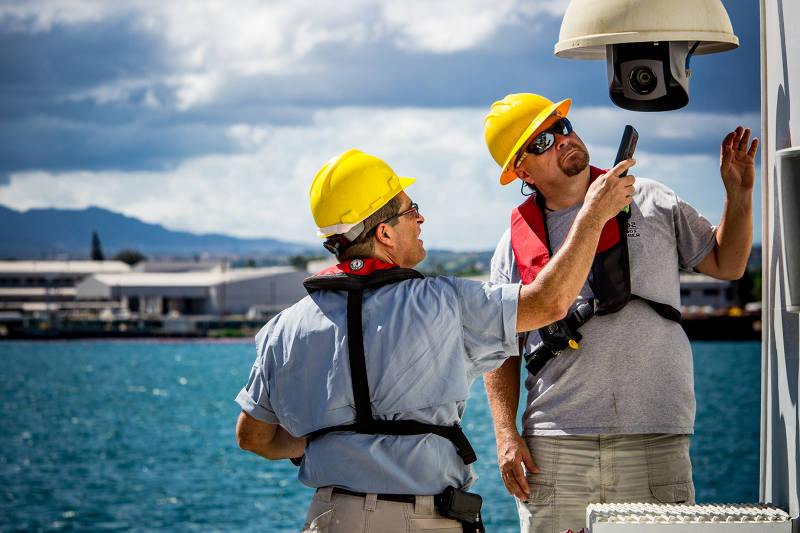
[(756, 294), (97, 250), (129, 256)]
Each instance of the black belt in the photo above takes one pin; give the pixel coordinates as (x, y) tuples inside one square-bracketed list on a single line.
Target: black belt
[(400, 498), (439, 500)]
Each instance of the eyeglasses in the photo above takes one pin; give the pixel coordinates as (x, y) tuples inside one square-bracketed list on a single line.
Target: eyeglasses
[(413, 208), (546, 139)]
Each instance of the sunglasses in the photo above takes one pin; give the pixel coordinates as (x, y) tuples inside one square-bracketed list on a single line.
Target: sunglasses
[(546, 139)]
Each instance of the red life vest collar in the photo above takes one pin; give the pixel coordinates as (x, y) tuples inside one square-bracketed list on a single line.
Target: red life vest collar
[(358, 274), (359, 267), (529, 236)]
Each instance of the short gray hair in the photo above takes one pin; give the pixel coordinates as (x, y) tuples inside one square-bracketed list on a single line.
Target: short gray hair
[(364, 244)]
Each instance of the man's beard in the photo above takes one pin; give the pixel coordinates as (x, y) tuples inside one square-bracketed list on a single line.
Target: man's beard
[(577, 162)]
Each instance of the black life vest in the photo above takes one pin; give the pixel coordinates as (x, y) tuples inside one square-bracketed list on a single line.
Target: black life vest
[(355, 277), (611, 276)]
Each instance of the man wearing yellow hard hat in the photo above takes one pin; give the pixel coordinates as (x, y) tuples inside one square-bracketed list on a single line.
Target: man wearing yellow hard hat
[(610, 401), (363, 382)]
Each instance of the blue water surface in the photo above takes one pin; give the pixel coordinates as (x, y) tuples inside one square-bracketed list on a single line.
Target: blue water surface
[(139, 436)]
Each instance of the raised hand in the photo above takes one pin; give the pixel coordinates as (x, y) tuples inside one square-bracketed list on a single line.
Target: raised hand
[(737, 161)]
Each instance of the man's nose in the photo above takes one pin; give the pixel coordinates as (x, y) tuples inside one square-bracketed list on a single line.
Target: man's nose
[(561, 141)]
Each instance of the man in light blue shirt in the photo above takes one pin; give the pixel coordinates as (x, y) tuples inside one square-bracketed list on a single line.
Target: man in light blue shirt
[(367, 378)]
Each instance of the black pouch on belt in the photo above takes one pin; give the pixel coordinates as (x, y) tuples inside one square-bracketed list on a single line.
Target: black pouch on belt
[(462, 506)]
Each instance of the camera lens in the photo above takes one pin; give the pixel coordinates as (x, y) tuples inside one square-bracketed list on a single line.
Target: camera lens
[(642, 80)]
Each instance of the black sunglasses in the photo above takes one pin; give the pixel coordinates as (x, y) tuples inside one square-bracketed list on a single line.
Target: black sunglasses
[(545, 140)]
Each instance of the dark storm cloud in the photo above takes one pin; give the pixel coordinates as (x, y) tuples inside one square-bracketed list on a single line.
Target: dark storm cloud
[(38, 70), (69, 146)]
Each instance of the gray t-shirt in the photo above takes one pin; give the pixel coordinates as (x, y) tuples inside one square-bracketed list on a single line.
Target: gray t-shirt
[(633, 370)]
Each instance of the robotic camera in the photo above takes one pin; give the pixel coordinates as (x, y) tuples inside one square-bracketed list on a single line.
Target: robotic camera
[(647, 45), (648, 76)]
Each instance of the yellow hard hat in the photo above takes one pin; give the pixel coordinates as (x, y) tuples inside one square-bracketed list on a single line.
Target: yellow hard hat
[(349, 188), (515, 119)]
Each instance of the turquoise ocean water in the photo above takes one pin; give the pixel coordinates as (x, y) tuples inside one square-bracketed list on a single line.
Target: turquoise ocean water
[(139, 436)]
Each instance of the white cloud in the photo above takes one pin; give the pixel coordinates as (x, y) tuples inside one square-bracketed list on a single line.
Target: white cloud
[(41, 15), (119, 91), (264, 192), (444, 26), (194, 89), (247, 136), (151, 100), (212, 43)]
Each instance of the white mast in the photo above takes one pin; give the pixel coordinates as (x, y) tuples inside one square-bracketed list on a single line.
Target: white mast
[(780, 129)]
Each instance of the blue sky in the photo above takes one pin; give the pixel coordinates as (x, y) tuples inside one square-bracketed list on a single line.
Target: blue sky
[(213, 116)]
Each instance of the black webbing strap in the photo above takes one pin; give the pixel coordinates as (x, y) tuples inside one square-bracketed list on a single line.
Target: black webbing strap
[(665, 310), (452, 433), (365, 423), (358, 363)]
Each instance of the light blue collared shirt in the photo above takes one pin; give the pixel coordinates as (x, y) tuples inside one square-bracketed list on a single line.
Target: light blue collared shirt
[(425, 340)]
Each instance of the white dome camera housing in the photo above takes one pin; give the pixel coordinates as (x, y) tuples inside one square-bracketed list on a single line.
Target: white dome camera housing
[(647, 45)]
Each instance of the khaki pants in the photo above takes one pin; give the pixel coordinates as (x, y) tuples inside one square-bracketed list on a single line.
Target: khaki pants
[(582, 469), (342, 513)]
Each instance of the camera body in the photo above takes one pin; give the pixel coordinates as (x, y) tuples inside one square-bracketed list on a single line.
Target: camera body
[(646, 45), (650, 76)]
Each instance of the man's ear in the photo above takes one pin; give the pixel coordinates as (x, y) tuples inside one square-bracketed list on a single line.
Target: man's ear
[(523, 174), (384, 234)]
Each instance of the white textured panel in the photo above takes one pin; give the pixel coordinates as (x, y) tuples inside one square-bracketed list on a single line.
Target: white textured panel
[(657, 518)]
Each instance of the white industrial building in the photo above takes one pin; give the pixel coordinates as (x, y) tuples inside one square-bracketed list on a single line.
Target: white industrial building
[(31, 287), (214, 292), (115, 289), (699, 291)]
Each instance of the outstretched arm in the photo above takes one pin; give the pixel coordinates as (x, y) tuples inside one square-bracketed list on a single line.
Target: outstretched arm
[(734, 237)]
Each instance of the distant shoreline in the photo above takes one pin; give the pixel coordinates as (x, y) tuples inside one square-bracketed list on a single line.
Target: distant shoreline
[(707, 327)]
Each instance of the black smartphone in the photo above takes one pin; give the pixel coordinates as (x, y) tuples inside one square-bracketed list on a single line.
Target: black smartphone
[(626, 147)]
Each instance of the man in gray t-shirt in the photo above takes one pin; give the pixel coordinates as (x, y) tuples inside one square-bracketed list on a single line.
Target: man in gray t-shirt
[(610, 420)]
